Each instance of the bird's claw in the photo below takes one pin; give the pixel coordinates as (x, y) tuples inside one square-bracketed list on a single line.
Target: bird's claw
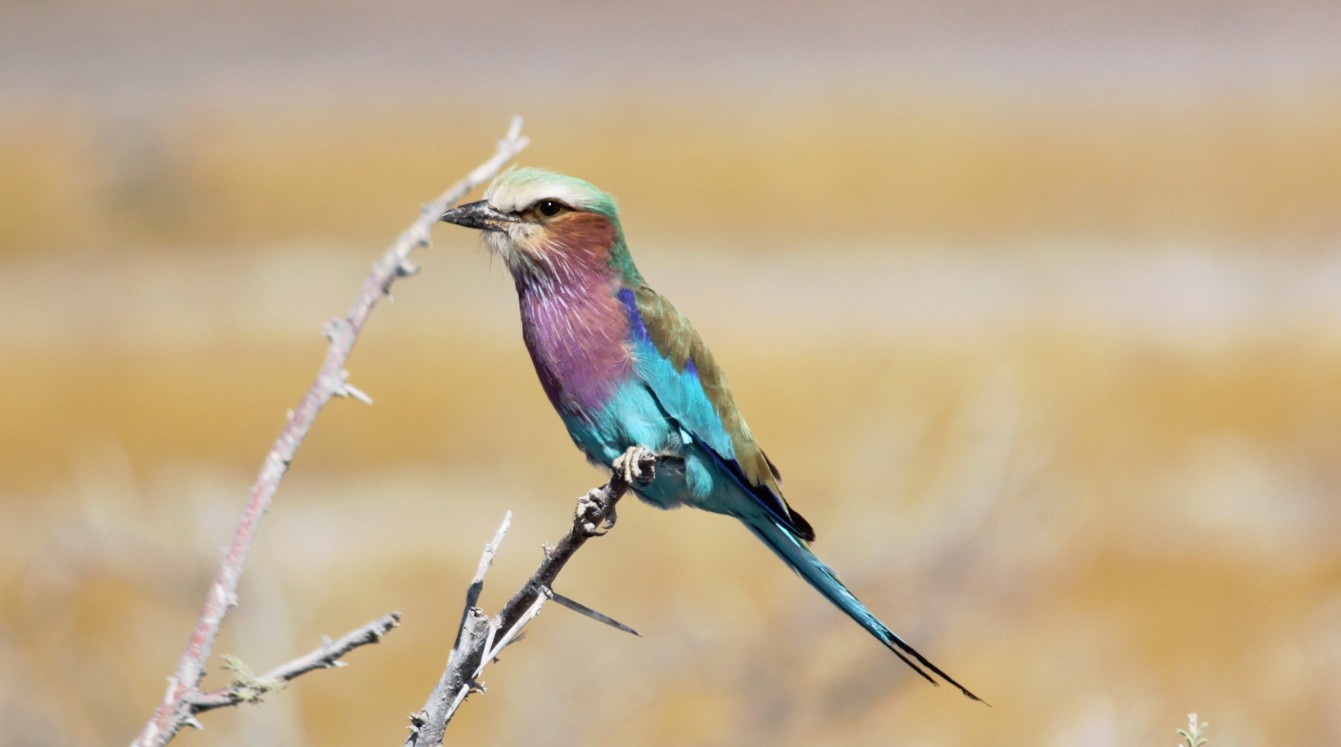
[(589, 507), (629, 466), (634, 467)]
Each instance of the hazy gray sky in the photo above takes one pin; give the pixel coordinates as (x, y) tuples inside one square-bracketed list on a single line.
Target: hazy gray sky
[(154, 52)]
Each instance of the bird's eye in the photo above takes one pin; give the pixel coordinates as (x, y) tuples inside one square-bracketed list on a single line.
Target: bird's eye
[(549, 208)]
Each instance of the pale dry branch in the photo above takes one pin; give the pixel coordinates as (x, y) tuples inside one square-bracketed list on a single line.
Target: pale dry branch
[(175, 710), (248, 688), (481, 638)]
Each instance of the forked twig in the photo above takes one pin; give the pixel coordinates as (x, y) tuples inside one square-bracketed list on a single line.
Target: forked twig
[(481, 638)]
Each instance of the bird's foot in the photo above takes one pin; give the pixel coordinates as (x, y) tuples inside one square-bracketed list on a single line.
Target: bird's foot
[(589, 507), (637, 466)]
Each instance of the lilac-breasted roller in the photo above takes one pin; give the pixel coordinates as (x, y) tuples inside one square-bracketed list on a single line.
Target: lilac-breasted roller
[(623, 368)]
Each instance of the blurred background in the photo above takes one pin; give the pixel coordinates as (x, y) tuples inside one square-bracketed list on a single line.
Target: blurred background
[(1037, 306)]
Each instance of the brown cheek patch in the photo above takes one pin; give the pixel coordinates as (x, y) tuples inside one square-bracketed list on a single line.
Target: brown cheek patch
[(589, 235)]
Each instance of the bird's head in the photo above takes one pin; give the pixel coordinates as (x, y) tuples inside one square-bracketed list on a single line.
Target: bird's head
[(547, 225)]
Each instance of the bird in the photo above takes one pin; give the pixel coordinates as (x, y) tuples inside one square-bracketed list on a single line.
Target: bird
[(623, 368)]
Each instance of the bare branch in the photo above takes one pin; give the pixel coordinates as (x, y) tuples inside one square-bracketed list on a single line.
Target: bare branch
[(174, 711), (249, 689), (480, 638), (486, 560), (474, 628)]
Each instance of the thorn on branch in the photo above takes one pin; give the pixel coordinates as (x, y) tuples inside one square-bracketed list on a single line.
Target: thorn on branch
[(332, 328), (583, 609), (349, 390)]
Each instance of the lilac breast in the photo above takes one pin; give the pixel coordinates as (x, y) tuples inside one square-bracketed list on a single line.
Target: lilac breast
[(577, 335)]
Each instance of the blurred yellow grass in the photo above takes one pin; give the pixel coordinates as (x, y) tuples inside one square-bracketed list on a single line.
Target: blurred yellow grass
[(899, 165), (1177, 596)]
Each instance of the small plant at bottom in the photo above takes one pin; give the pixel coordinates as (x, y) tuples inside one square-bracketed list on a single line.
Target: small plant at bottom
[(1194, 734)]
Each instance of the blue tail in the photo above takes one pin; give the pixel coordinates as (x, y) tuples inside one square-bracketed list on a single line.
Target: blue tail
[(799, 557)]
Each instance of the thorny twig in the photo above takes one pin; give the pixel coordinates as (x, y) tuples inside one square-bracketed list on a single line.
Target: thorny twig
[(248, 688), (183, 695), (480, 638)]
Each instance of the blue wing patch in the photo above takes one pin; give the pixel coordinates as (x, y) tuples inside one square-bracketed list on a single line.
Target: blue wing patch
[(684, 403)]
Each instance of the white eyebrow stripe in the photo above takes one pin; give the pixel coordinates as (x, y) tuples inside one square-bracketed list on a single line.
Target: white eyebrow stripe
[(513, 197)]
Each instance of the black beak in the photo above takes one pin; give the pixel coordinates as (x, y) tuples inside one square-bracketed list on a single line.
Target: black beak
[(478, 215)]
